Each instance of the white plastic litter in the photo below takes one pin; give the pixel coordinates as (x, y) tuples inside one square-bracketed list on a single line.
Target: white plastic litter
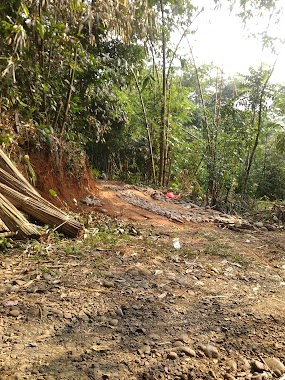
[(176, 243)]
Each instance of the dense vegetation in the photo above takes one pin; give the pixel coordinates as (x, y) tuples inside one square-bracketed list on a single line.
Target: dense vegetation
[(106, 76)]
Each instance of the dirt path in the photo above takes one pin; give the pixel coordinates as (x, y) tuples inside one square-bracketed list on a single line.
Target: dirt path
[(137, 204), (115, 206), (123, 303)]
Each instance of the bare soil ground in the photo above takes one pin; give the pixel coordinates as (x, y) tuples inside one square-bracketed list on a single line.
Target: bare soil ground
[(123, 303)]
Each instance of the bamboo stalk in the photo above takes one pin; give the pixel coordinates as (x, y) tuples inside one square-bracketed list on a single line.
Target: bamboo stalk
[(3, 226), (7, 234), (15, 221), (43, 211), (14, 183), (23, 195), (8, 166)]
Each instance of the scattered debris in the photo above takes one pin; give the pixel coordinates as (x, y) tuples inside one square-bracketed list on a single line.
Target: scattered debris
[(176, 243), (171, 195), (91, 200)]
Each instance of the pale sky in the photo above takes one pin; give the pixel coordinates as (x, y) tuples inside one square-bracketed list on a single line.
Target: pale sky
[(220, 39)]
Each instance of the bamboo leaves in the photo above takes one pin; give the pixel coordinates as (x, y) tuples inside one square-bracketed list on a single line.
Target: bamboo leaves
[(10, 69), (49, 47)]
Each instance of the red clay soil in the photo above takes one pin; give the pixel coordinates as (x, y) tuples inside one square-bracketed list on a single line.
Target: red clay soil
[(66, 187), (69, 189), (114, 206)]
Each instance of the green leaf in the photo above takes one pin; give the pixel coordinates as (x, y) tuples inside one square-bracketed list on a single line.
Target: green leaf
[(53, 193), (41, 30), (146, 81), (25, 10)]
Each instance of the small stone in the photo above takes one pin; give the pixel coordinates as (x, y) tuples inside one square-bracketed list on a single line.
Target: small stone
[(245, 365), (212, 374), (108, 284), (183, 338), (145, 349), (275, 365), (144, 272), (119, 312), (177, 343), (140, 330), (267, 376), (187, 350), (14, 312), (2, 289), (210, 351), (232, 365), (67, 315), (228, 376), (101, 318), (45, 311), (57, 312), (181, 281), (83, 316), (154, 336), (33, 311), (10, 303), (47, 276), (170, 276), (256, 377), (18, 376), (257, 366), (10, 288), (114, 322), (172, 355), (258, 224)]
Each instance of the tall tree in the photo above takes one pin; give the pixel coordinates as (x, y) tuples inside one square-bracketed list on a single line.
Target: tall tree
[(173, 17), (47, 44), (257, 100)]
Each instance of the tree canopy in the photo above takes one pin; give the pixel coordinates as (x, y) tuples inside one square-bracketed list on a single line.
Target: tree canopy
[(108, 77)]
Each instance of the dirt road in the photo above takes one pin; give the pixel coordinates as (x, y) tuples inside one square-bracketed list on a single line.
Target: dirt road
[(123, 303)]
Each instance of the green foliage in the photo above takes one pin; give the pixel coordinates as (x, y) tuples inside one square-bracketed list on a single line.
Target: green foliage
[(95, 173), (52, 193), (269, 172), (107, 78), (5, 244), (107, 236), (60, 65), (73, 250)]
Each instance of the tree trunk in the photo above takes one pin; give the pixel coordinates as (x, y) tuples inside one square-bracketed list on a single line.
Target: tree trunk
[(68, 97), (162, 151), (257, 136), (147, 128)]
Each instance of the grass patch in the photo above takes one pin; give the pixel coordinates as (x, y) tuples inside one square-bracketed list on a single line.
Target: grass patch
[(106, 237), (222, 249), (73, 250), (209, 236), (190, 253), (5, 244)]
